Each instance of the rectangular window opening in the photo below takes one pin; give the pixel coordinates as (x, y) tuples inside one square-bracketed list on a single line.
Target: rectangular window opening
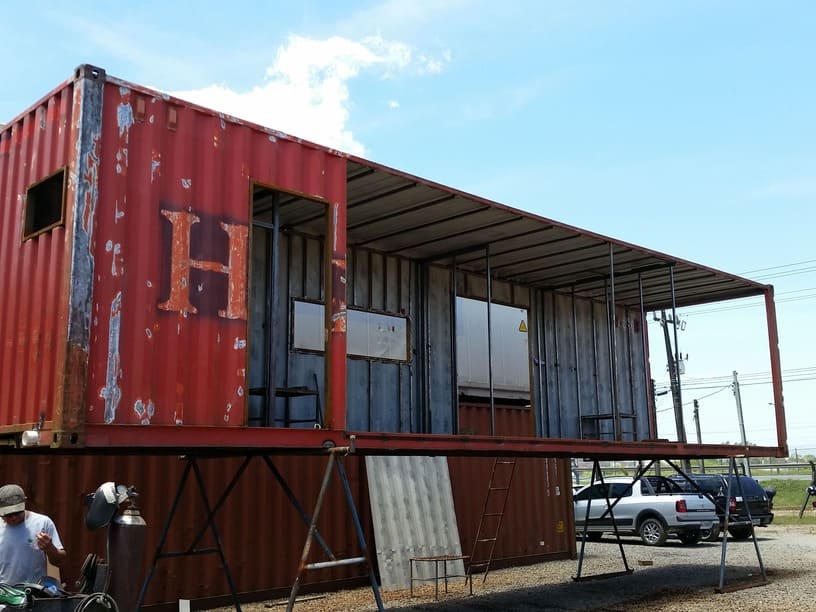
[(371, 335), (44, 205)]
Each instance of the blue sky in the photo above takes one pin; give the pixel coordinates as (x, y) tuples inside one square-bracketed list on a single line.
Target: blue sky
[(687, 127)]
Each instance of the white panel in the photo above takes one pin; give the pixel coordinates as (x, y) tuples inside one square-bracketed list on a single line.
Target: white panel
[(413, 514), (509, 342)]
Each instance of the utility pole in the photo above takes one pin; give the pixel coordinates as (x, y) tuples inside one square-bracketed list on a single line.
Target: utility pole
[(735, 388), (699, 435), (674, 380)]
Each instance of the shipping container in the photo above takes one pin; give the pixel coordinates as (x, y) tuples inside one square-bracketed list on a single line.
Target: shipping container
[(177, 278), (262, 554), (177, 281)]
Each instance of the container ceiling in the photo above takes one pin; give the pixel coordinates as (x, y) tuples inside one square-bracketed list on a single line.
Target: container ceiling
[(399, 214)]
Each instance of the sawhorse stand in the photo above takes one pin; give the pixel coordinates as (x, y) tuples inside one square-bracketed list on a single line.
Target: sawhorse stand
[(192, 466)]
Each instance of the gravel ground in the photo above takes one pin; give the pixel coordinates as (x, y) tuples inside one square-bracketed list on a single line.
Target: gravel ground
[(671, 577)]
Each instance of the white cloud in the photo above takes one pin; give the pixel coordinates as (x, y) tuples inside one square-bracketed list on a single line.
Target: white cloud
[(305, 91), (393, 104)]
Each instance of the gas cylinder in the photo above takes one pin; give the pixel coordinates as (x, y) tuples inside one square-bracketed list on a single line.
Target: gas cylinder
[(126, 544)]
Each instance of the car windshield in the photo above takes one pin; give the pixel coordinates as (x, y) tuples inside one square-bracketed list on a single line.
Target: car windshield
[(750, 487), (709, 484), (602, 491)]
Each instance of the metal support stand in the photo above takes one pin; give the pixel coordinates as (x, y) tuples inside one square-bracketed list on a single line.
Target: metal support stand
[(597, 476), (209, 523), (733, 476), (192, 464), (334, 462)]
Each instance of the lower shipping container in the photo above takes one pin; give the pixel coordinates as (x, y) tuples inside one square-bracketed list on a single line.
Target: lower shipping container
[(261, 532)]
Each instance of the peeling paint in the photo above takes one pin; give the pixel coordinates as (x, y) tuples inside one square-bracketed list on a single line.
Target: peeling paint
[(186, 183), (124, 118), (240, 392), (148, 333), (117, 212), (334, 211), (155, 165), (148, 284), (116, 249), (111, 393), (338, 320), (144, 410), (240, 343)]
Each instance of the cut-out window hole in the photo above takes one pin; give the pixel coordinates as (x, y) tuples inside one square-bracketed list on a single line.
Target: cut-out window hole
[(45, 205)]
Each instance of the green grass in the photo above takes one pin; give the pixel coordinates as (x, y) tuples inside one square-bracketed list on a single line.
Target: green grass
[(792, 518), (789, 493)]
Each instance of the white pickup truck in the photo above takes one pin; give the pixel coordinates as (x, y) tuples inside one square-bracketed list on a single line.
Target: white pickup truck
[(652, 507)]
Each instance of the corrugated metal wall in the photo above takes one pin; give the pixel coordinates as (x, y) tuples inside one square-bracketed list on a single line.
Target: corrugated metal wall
[(169, 337), (538, 523), (574, 368), (414, 516), (379, 392), (32, 274), (169, 342), (261, 532)]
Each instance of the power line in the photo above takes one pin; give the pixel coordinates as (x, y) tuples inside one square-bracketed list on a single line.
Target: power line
[(697, 399), (799, 298), (790, 265)]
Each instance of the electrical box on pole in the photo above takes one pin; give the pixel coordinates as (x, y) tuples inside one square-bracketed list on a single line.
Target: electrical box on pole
[(674, 379)]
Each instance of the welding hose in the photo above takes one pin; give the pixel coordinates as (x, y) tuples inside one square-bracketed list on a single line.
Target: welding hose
[(96, 602)]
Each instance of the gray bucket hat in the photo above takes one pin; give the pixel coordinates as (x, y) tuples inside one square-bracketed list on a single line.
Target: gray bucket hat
[(12, 499)]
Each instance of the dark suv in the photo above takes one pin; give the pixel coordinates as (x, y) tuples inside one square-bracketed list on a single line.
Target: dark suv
[(759, 500)]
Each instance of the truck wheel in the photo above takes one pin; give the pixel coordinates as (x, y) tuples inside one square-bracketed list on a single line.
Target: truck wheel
[(652, 532), (740, 533), (709, 535), (690, 537)]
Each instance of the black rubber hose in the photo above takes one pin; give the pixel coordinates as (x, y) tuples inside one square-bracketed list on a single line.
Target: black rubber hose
[(96, 602)]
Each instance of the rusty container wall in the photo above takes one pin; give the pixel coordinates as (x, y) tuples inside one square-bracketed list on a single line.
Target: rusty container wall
[(33, 320), (260, 530), (538, 522), (169, 335)]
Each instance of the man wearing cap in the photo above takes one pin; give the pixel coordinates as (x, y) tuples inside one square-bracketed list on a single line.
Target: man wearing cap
[(27, 539)]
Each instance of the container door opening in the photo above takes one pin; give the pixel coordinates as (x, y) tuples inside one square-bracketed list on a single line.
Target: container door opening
[(286, 265)]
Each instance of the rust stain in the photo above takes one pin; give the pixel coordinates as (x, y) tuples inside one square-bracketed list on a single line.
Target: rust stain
[(73, 417)]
